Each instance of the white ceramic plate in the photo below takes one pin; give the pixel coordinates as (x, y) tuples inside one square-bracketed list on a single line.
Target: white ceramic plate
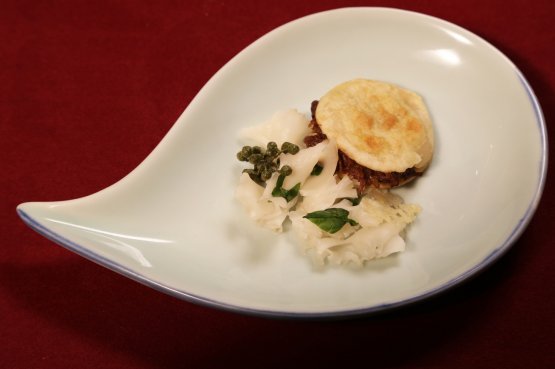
[(173, 224)]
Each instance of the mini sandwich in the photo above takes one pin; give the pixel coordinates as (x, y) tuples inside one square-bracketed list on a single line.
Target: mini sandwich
[(384, 132)]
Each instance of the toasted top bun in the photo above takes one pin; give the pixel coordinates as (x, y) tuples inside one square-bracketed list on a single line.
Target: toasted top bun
[(379, 125)]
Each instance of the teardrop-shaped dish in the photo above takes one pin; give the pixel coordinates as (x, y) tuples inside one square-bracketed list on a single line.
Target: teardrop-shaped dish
[(173, 224)]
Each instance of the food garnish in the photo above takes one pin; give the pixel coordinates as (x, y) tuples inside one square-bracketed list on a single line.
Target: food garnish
[(332, 175)]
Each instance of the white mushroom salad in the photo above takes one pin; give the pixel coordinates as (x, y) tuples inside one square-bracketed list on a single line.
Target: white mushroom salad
[(284, 180)]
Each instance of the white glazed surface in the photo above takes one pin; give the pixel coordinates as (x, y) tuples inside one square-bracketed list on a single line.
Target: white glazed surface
[(173, 223)]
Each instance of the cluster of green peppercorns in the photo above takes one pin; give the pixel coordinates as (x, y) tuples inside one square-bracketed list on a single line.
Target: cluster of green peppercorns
[(266, 162)]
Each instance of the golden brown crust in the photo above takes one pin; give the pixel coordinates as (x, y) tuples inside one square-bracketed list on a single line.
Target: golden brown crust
[(379, 125)]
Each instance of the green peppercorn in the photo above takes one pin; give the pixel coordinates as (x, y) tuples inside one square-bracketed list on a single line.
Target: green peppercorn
[(286, 170), (271, 146), (289, 148), (262, 166), (265, 175), (255, 158), (247, 151), (266, 162)]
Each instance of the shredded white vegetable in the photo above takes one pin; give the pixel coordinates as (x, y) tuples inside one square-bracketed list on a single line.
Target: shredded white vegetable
[(379, 218), (288, 125)]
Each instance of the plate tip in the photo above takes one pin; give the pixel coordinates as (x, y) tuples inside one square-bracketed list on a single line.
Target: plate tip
[(25, 210), (22, 207)]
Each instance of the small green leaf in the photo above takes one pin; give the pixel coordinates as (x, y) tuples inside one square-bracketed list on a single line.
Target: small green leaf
[(316, 170), (330, 220), (352, 222), (279, 191), (293, 192), (354, 200), (279, 183)]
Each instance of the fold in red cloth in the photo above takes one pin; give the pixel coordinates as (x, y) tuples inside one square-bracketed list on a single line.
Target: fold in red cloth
[(88, 89)]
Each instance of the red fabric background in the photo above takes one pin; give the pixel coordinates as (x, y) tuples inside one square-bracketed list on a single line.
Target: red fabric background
[(87, 89)]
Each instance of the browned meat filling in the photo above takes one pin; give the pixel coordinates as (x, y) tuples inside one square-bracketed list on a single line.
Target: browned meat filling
[(317, 136), (346, 166)]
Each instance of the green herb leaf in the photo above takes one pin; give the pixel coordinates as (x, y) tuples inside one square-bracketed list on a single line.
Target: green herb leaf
[(354, 200), (316, 170), (352, 222), (330, 220), (279, 191), (293, 192)]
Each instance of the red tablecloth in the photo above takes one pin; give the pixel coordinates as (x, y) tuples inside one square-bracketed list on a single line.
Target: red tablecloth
[(87, 90)]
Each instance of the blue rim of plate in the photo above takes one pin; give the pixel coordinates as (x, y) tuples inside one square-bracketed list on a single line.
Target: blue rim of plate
[(465, 276)]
